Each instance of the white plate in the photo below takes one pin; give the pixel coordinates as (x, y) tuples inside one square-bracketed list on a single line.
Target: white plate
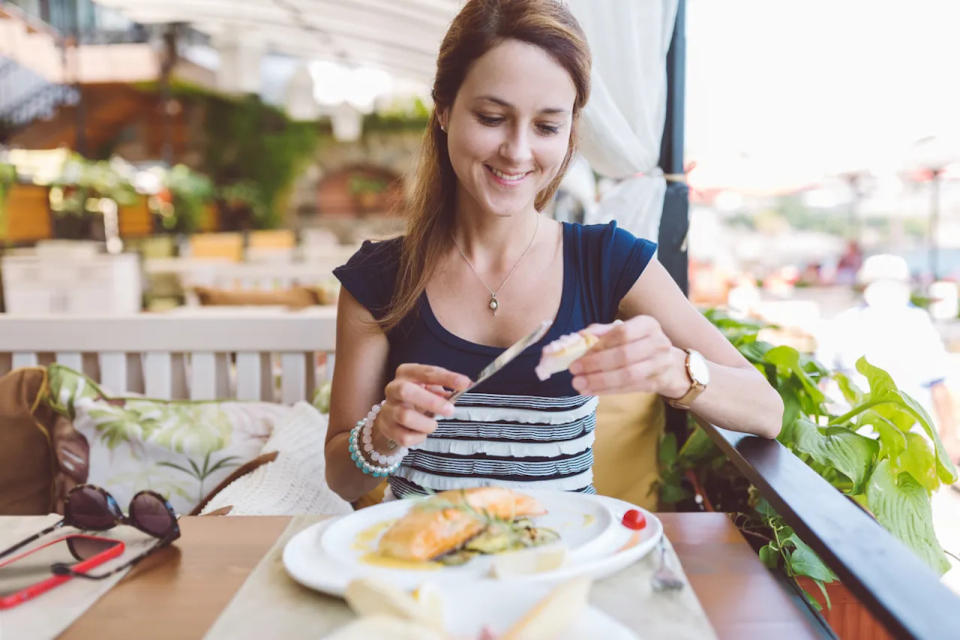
[(324, 556)]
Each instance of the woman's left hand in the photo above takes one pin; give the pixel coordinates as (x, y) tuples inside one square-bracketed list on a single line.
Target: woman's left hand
[(634, 355)]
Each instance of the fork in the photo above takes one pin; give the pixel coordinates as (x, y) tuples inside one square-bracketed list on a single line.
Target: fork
[(664, 578)]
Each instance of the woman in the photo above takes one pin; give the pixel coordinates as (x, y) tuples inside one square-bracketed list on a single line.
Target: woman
[(480, 266)]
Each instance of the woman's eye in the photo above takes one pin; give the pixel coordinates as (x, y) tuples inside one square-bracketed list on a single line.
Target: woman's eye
[(490, 121), (548, 128)]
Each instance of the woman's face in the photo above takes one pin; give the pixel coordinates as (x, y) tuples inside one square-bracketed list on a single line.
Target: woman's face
[(509, 127)]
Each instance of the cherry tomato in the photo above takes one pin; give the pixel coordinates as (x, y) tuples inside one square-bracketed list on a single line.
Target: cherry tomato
[(633, 519)]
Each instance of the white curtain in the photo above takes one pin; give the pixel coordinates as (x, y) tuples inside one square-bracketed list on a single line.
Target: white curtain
[(622, 124)]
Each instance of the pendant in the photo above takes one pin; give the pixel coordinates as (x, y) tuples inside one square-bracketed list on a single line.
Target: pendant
[(494, 305)]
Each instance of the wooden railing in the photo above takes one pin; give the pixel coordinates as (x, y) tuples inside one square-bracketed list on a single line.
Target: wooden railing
[(900, 591)]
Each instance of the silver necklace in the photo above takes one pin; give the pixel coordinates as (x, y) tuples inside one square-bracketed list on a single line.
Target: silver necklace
[(494, 304)]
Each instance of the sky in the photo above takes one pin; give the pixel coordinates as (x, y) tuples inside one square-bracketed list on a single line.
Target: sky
[(783, 93)]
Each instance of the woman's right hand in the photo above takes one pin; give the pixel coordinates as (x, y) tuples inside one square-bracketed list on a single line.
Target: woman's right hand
[(413, 398)]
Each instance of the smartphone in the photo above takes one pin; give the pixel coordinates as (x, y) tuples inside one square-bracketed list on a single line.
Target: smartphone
[(28, 574)]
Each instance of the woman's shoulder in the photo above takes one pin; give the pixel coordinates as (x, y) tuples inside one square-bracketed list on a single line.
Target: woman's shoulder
[(376, 255), (606, 237)]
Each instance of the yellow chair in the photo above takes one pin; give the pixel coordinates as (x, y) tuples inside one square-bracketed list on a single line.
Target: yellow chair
[(217, 245)]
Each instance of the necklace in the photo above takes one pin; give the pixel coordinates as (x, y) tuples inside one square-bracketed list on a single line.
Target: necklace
[(494, 304)]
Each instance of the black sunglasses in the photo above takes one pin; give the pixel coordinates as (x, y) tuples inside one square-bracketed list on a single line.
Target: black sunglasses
[(91, 508)]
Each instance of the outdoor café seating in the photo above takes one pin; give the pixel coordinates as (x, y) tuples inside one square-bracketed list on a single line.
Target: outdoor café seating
[(184, 190)]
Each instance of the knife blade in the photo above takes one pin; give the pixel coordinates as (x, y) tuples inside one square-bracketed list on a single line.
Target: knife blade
[(504, 358)]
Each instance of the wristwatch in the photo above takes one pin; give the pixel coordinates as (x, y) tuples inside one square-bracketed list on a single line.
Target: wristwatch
[(699, 374)]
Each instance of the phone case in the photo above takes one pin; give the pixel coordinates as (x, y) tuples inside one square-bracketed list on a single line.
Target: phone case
[(46, 584)]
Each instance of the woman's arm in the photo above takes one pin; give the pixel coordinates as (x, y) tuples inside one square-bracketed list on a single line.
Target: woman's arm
[(645, 353), (358, 379), (413, 397)]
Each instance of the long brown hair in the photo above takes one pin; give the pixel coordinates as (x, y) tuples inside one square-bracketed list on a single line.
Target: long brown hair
[(480, 26)]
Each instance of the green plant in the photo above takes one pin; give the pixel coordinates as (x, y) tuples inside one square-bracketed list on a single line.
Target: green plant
[(255, 145), (191, 193), (81, 182), (8, 176), (869, 449), (359, 185)]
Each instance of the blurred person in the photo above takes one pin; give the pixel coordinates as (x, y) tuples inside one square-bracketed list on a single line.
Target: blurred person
[(849, 264), (896, 336), (480, 266)]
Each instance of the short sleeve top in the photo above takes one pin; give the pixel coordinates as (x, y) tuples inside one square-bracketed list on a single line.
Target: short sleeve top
[(513, 429)]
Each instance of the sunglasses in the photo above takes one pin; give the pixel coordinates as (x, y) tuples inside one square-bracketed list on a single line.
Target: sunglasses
[(91, 508)]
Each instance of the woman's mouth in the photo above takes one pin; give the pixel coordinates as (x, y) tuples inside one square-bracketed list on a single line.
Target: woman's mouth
[(506, 178)]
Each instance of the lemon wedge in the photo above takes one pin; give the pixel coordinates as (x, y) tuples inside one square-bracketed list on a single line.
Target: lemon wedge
[(527, 561)]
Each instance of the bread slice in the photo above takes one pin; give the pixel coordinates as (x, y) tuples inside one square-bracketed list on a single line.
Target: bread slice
[(562, 352), (553, 614)]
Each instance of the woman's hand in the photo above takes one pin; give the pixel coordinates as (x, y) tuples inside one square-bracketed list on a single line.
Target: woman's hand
[(413, 398), (634, 355)]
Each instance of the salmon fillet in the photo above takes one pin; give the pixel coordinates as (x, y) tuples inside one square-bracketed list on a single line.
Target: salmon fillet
[(431, 529)]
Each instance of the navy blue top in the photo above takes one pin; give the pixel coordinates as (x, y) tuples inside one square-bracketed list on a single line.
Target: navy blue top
[(513, 430), (600, 264)]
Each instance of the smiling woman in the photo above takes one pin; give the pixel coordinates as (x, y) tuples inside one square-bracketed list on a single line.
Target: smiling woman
[(480, 265)]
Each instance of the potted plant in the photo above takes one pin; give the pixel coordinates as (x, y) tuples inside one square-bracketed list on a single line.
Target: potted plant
[(867, 446), (75, 195), (183, 201)]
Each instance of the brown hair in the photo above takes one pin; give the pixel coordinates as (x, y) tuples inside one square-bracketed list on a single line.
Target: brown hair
[(480, 26)]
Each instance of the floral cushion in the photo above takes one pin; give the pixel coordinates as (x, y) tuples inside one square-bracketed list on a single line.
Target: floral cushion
[(181, 449)]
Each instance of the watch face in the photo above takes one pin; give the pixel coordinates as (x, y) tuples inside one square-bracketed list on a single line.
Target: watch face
[(698, 368)]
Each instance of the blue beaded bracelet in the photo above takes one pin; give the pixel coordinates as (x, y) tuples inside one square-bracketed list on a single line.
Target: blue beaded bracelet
[(357, 456)]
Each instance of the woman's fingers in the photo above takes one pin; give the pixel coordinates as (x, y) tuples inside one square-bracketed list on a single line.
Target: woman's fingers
[(398, 433), (410, 394), (650, 375), (431, 375), (616, 357)]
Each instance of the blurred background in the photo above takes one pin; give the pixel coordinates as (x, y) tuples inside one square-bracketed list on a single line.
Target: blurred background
[(156, 156)]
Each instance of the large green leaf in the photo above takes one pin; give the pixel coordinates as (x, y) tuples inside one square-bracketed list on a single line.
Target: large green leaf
[(668, 450), (787, 361), (698, 447), (849, 453), (917, 460), (851, 392), (892, 439), (804, 562), (884, 391), (902, 506), (755, 351)]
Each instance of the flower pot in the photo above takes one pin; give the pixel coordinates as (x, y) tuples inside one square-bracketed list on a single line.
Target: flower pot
[(848, 618)]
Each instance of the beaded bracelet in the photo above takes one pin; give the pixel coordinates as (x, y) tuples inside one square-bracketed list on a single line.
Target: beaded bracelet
[(362, 432)]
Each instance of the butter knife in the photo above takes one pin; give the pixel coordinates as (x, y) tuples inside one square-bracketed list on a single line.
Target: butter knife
[(504, 358)]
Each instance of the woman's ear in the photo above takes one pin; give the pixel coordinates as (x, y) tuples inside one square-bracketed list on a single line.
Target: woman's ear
[(443, 116)]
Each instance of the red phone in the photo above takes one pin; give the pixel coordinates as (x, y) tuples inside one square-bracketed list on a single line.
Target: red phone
[(28, 574)]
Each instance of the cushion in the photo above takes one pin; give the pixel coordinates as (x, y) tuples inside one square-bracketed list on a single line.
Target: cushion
[(26, 452), (296, 297), (629, 426), (178, 448), (293, 484), (242, 470)]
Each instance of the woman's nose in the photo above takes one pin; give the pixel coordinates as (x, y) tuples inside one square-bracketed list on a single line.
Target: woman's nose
[(516, 147)]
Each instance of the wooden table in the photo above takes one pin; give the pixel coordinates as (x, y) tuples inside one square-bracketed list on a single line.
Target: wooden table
[(180, 591)]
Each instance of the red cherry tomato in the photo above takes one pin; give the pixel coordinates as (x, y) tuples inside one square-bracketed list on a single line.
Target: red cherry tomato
[(633, 519)]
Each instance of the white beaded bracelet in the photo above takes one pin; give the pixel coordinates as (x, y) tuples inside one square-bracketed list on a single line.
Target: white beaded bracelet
[(361, 441)]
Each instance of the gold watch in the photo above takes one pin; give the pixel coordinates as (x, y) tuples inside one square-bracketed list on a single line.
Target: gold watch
[(699, 374)]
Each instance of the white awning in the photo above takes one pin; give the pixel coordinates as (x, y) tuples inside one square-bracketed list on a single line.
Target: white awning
[(401, 37)]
